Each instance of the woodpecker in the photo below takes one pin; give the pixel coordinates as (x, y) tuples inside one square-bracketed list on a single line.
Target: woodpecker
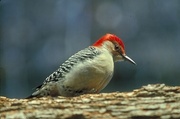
[(87, 71)]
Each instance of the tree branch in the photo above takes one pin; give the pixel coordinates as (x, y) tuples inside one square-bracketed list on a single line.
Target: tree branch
[(151, 101)]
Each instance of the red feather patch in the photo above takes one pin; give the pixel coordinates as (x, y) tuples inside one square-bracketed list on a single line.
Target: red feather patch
[(109, 37)]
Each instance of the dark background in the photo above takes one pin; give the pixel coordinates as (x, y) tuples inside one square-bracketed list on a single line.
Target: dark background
[(36, 36)]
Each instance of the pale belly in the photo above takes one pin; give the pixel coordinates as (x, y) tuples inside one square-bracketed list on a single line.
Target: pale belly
[(89, 78)]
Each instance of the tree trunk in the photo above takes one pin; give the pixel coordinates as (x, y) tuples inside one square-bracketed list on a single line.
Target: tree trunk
[(149, 102)]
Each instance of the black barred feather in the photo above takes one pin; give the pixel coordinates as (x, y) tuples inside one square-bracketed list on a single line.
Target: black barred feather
[(81, 56)]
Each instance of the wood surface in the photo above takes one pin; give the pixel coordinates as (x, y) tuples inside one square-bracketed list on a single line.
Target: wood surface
[(156, 101)]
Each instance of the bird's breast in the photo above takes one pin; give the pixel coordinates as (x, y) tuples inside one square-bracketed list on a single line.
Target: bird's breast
[(91, 75)]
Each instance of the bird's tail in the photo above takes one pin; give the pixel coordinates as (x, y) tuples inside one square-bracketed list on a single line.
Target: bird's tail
[(31, 96), (46, 90), (36, 93)]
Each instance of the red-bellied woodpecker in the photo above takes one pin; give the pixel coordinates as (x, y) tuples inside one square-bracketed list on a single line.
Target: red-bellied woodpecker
[(87, 71)]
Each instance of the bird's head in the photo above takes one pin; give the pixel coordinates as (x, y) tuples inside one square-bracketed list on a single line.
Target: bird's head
[(115, 46)]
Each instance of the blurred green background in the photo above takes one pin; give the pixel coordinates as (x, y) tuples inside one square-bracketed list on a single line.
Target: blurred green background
[(36, 36)]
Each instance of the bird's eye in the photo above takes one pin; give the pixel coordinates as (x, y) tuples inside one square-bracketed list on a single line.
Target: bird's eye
[(116, 47)]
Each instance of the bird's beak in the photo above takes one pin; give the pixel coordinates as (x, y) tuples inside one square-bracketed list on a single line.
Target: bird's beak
[(126, 58)]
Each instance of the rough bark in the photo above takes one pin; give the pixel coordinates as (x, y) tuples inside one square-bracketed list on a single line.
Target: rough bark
[(149, 102)]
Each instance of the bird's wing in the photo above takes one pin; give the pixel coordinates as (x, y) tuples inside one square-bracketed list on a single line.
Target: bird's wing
[(81, 56)]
